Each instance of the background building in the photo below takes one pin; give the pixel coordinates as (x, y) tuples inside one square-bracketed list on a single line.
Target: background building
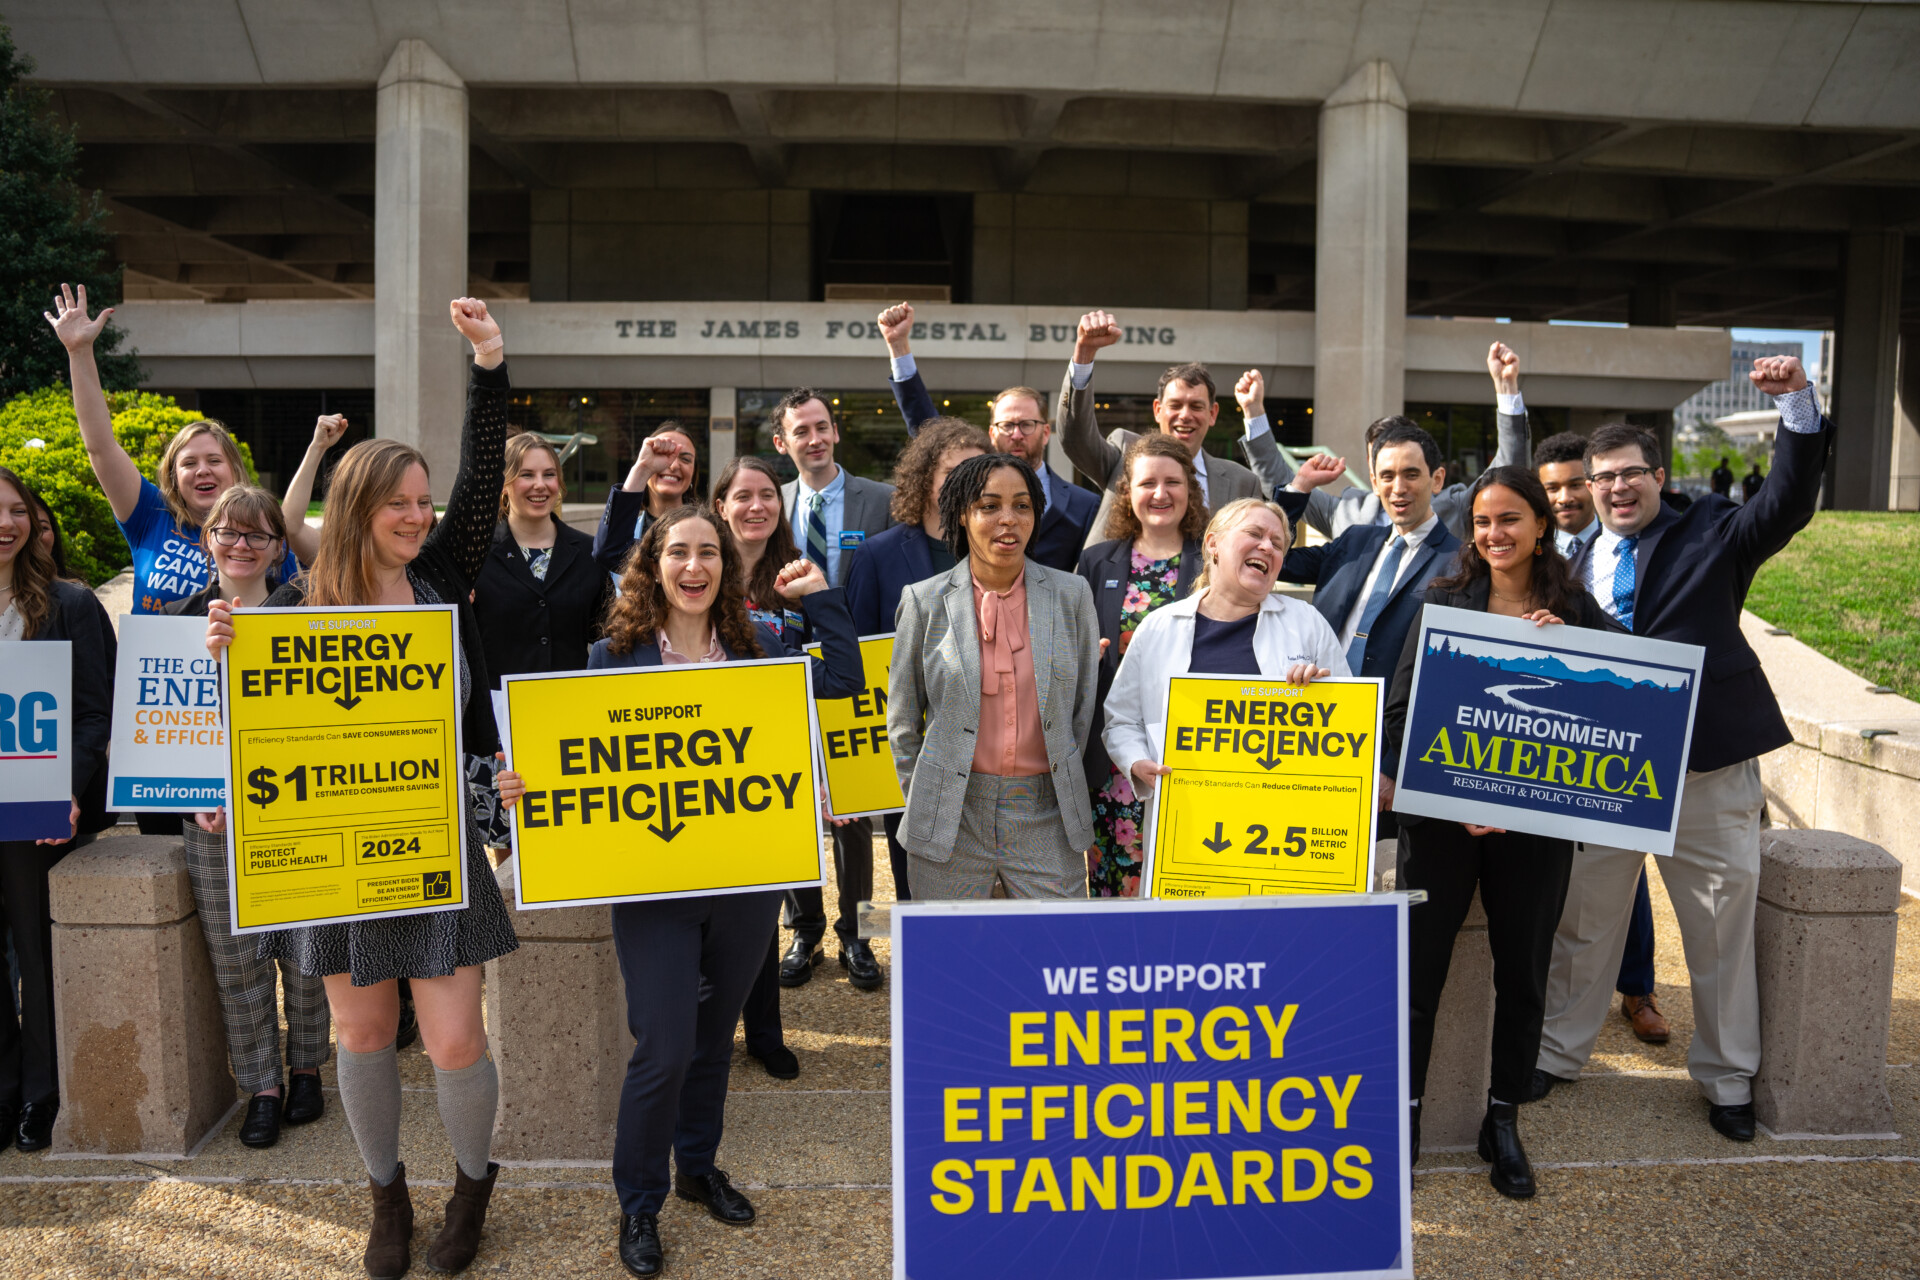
[(1734, 393), (689, 208)]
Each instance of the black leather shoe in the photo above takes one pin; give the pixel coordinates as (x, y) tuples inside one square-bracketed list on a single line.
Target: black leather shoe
[(1415, 1159), (261, 1128), (305, 1103), (1734, 1122), (714, 1191), (640, 1244), (35, 1131), (1500, 1147), (1543, 1085), (779, 1062), (863, 971), (796, 966), (9, 1122)]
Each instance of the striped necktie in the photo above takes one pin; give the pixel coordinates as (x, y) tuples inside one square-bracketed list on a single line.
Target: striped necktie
[(817, 530), (1623, 582), (1376, 602)]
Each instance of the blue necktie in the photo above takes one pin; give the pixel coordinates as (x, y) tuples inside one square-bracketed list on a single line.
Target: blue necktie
[(817, 530), (1382, 589), (1623, 582)]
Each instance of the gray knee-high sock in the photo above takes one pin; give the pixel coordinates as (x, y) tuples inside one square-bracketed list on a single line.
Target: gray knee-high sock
[(469, 1098), (370, 1091)]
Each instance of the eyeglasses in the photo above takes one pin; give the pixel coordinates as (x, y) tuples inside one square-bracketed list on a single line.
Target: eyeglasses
[(1626, 475), (233, 538), (1021, 426)]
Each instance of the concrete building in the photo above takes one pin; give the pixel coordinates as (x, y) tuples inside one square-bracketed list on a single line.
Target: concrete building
[(1332, 190)]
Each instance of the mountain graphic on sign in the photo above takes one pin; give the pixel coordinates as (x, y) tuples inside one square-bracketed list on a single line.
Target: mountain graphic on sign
[(1551, 666)]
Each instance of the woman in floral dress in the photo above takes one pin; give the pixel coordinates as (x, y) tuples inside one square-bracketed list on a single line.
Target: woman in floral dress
[(1150, 559)]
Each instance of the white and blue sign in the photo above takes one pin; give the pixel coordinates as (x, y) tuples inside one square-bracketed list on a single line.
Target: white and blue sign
[(169, 748), (1556, 731), (1151, 1090), (36, 740)]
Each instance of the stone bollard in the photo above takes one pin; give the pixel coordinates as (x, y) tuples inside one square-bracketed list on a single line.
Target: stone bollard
[(557, 1026), (1824, 936), (1460, 1069), (143, 1049)]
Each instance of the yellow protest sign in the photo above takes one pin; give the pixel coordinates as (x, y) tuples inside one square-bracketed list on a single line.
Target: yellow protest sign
[(343, 765), (1272, 789), (661, 782), (861, 780)]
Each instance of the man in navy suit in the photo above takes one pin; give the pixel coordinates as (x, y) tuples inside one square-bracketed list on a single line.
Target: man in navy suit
[(1020, 427), (1683, 575)]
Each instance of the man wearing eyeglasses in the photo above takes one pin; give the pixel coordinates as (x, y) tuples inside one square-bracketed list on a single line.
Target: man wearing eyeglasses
[(1681, 575), (1019, 426)]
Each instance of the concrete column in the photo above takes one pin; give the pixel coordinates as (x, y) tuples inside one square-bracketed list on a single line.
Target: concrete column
[(1824, 933), (1867, 339), (557, 1028), (1360, 259), (1905, 490), (143, 1050), (420, 255), (721, 439)]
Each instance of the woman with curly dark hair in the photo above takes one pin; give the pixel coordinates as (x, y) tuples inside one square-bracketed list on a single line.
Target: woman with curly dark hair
[(1150, 558), (688, 962)]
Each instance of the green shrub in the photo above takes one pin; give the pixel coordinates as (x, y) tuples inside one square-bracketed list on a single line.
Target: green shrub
[(58, 468)]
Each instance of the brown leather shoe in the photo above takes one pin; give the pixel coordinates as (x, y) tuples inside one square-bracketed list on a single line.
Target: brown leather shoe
[(390, 1240), (1645, 1018), (459, 1237)]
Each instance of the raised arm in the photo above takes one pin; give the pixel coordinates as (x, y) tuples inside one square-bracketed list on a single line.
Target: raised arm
[(1074, 420), (1785, 503), (1503, 365), (301, 536), (465, 531), (119, 477), (839, 671), (1270, 464), (909, 392)]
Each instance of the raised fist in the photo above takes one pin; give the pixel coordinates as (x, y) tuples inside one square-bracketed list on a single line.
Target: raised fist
[(896, 326), (327, 430), (1778, 375), (799, 578), (1097, 329), (1504, 366), (1251, 392), (1320, 469), (471, 319)]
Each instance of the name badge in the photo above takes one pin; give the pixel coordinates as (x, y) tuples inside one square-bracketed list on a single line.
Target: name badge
[(1112, 583), (852, 539)]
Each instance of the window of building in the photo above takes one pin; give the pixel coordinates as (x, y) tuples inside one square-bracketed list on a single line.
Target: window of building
[(884, 239), (619, 419)]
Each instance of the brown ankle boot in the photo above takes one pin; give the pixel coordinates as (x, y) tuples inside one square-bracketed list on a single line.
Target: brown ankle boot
[(390, 1240), (459, 1237)]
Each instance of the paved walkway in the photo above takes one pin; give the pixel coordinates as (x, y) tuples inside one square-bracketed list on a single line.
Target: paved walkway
[(1633, 1182)]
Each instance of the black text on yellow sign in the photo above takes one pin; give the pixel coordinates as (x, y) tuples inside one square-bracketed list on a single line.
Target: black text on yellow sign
[(344, 760), (663, 782), (1272, 789), (854, 751)]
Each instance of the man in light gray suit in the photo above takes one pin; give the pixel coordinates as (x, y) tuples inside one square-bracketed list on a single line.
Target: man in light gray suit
[(1333, 514), (1183, 407), (833, 515)]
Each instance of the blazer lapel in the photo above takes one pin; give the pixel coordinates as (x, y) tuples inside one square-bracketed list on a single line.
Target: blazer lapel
[(1351, 576), (564, 550), (963, 632), (1428, 552), (1041, 606)]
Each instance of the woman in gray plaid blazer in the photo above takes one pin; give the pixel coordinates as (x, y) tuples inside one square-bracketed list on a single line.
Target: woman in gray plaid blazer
[(991, 700)]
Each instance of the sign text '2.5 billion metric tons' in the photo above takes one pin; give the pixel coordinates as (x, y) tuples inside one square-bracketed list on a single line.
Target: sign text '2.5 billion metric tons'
[(1272, 789), (344, 765)]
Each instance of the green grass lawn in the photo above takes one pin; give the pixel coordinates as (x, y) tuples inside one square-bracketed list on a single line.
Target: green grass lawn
[(1849, 585)]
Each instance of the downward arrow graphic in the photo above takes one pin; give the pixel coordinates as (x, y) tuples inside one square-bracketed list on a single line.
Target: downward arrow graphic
[(666, 828), (1267, 762), (349, 702), (1218, 844)]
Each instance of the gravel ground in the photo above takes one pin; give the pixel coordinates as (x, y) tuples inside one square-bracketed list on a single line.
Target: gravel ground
[(1633, 1182)]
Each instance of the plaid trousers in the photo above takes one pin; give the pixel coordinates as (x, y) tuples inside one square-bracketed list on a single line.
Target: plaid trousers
[(246, 982)]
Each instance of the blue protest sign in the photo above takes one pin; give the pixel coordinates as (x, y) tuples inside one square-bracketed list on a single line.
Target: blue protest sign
[(1557, 731), (36, 739), (1143, 1090)]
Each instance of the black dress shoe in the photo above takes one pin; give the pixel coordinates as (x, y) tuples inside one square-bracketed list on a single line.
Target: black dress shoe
[(261, 1128), (305, 1103), (714, 1191), (1415, 1159), (9, 1121), (779, 1062), (35, 1131), (1500, 1147), (640, 1244), (1543, 1085), (863, 971), (796, 966), (1735, 1122)]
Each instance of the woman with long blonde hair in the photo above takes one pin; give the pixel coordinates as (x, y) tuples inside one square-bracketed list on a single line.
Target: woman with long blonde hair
[(382, 545)]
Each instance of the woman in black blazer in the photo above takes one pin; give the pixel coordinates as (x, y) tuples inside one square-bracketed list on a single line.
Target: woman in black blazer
[(688, 962), (1511, 566), (37, 606), (540, 599), (1151, 558)]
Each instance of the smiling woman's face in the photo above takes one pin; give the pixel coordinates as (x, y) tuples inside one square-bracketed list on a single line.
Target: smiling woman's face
[(402, 523), (691, 566), (203, 472), (751, 506), (1158, 492), (15, 523), (1000, 521), (673, 482), (1247, 556)]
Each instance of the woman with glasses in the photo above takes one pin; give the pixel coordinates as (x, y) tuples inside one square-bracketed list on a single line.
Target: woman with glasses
[(246, 539)]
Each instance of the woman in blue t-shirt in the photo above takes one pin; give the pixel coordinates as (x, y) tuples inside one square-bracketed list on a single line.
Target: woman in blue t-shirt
[(161, 521)]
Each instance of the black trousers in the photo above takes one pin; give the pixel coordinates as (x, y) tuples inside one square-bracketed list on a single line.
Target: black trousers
[(29, 1061), (897, 857), (1523, 885), (761, 1013), (674, 1098), (853, 873)]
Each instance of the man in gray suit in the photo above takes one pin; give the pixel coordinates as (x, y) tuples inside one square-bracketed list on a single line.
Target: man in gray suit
[(833, 515), (1183, 407), (1333, 514)]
